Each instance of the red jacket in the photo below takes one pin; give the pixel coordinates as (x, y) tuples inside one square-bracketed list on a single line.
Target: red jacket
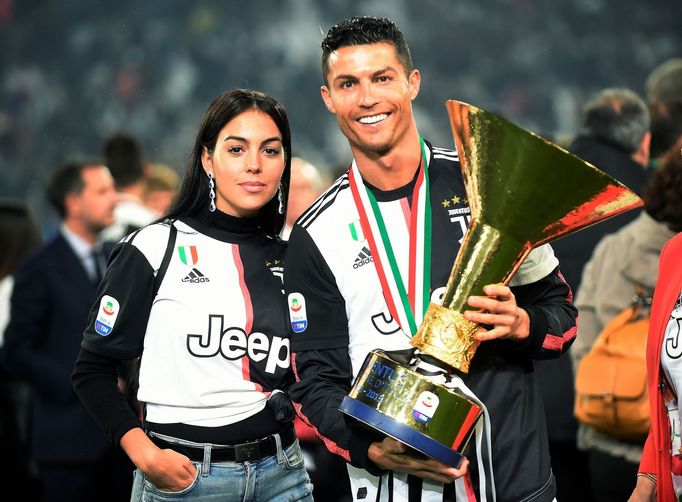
[(656, 454)]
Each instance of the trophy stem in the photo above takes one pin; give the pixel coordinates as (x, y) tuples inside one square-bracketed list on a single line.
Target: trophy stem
[(483, 259)]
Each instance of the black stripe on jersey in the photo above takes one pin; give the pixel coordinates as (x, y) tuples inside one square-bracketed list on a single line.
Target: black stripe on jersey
[(325, 201), (449, 493), (320, 200), (390, 486), (414, 488)]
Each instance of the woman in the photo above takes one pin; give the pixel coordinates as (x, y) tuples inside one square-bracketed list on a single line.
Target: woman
[(660, 470), (624, 264), (216, 356)]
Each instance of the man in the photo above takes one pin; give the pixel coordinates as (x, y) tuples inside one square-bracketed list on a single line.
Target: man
[(334, 280), (53, 292), (664, 97), (123, 156), (615, 138)]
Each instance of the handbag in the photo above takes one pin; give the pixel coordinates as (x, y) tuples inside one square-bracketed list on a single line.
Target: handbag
[(611, 392)]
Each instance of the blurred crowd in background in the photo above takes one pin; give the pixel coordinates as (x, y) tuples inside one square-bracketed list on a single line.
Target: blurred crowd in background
[(75, 72), (128, 81)]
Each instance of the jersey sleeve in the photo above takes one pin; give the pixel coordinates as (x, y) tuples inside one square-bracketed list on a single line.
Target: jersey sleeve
[(549, 303), (118, 319), (322, 323), (320, 360)]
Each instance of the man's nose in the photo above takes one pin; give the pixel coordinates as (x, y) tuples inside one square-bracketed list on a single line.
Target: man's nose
[(367, 96)]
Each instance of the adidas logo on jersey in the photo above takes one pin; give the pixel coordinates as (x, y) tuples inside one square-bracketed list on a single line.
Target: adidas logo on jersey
[(363, 258), (195, 277)]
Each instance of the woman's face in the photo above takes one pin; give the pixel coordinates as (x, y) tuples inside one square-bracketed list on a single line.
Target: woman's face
[(247, 163)]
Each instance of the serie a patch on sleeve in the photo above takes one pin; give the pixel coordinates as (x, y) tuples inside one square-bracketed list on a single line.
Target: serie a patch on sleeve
[(106, 315), (297, 313)]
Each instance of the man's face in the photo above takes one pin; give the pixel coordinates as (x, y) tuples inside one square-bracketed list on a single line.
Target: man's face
[(94, 205), (371, 95)]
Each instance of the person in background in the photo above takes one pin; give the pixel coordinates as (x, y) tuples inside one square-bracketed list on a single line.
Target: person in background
[(160, 188), (306, 185), (333, 267), (659, 477), (664, 96), (614, 138), (53, 290), (622, 263), (123, 156), (201, 293), (19, 235)]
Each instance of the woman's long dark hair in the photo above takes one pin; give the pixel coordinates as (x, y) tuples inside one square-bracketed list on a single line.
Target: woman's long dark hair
[(193, 193)]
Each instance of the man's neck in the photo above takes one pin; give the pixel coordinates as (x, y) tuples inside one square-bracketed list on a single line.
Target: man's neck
[(80, 230), (392, 169)]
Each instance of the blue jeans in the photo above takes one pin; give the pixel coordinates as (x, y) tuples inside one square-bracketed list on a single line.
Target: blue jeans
[(281, 477)]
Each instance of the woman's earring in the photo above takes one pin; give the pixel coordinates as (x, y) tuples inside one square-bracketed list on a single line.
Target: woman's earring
[(280, 198), (211, 193)]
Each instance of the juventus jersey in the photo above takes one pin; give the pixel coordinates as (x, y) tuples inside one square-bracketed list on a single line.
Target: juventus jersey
[(338, 313), (213, 340)]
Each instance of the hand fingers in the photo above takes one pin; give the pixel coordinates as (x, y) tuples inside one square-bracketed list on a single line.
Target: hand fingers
[(491, 305), (490, 319), (394, 446), (499, 291)]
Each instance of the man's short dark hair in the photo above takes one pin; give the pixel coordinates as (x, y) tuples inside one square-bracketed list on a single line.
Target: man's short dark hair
[(666, 127), (123, 156), (617, 116), (363, 31), (67, 179)]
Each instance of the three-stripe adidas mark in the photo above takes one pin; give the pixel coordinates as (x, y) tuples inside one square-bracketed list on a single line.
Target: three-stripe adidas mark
[(363, 258), (195, 276)]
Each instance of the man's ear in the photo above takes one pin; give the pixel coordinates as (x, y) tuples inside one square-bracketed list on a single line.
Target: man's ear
[(72, 204), (414, 80), (643, 151), (327, 98)]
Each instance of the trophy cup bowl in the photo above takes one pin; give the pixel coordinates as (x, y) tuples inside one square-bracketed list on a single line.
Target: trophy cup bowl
[(523, 191)]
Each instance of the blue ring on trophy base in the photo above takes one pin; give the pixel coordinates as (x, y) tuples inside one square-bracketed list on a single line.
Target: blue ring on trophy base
[(403, 433)]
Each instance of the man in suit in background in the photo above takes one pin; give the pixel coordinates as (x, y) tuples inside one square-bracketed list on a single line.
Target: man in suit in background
[(53, 292)]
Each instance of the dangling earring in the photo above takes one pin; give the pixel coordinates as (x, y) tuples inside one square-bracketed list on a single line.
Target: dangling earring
[(211, 193), (280, 198)]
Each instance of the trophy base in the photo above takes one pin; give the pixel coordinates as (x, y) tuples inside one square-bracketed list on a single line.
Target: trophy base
[(428, 416), (401, 432)]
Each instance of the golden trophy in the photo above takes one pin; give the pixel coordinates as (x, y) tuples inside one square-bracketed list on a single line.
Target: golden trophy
[(523, 191)]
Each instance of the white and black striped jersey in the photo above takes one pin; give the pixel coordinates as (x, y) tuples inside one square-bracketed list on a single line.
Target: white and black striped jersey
[(214, 339), (338, 314)]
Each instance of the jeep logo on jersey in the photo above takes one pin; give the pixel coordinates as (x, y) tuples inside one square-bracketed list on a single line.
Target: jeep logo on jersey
[(233, 343), (106, 315), (297, 312)]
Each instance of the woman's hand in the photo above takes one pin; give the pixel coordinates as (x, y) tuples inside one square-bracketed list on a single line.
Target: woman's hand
[(166, 469), (392, 455)]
